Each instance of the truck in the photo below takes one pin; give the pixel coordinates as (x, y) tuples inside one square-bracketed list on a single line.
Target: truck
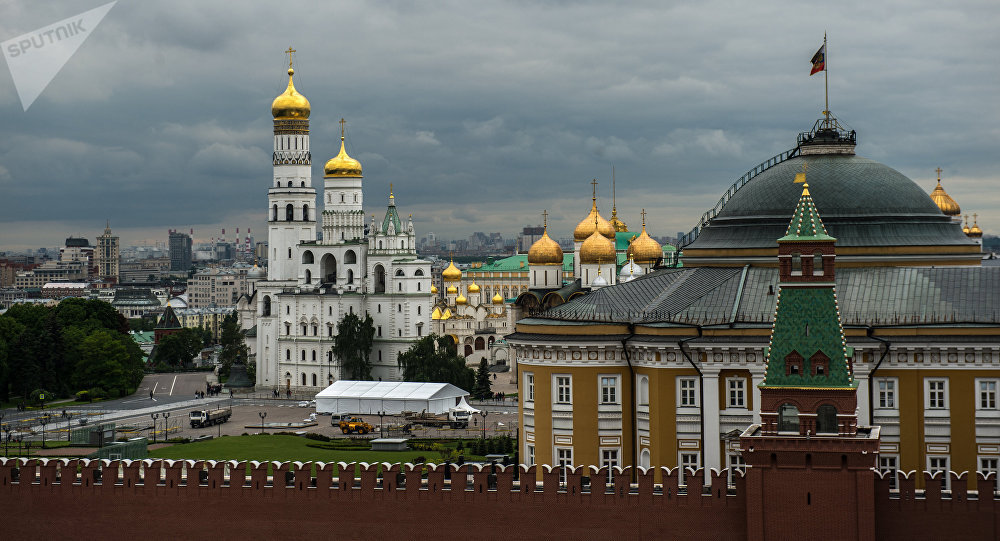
[(350, 425), (203, 418), (455, 418)]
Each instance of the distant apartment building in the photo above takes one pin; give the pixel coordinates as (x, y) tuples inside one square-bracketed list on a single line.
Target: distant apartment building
[(528, 237), (107, 255), (51, 271), (10, 296), (204, 318), (217, 287), (180, 251), (143, 270), (78, 250)]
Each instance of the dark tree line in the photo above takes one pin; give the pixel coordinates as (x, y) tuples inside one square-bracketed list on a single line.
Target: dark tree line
[(77, 345), (435, 359)]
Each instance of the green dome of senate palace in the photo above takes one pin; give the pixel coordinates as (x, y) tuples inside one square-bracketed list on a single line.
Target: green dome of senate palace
[(877, 214)]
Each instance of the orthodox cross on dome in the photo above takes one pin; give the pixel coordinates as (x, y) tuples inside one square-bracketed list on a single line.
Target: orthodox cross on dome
[(939, 173), (290, 52), (594, 183), (643, 217), (342, 128)]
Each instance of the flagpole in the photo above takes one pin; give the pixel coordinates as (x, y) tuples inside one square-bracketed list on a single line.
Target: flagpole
[(826, 79)]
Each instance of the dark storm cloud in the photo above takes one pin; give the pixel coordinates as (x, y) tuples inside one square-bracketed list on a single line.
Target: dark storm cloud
[(481, 115)]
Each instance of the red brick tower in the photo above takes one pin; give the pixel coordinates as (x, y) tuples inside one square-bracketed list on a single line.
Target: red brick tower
[(167, 325), (811, 467)]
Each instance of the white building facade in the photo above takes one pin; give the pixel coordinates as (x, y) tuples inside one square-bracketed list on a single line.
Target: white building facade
[(312, 284)]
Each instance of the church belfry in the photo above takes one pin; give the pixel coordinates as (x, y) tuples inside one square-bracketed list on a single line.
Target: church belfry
[(291, 198)]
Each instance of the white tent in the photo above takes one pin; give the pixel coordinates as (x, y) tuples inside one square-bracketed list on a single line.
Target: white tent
[(464, 406), (370, 397)]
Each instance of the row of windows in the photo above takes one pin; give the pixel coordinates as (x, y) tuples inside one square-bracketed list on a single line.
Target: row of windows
[(608, 386), (889, 464), (936, 393)]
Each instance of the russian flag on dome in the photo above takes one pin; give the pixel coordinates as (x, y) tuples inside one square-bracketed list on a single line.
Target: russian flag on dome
[(819, 60)]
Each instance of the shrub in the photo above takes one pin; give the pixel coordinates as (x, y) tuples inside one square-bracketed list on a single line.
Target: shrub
[(419, 460), (317, 437)]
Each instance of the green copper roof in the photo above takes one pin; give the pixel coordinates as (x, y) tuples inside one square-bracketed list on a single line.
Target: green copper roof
[(391, 216), (806, 224), (807, 324), (516, 262), (623, 239)]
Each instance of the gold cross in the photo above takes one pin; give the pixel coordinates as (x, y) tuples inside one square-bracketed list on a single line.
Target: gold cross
[(342, 123), (545, 217), (289, 53), (939, 173), (643, 217), (594, 182)]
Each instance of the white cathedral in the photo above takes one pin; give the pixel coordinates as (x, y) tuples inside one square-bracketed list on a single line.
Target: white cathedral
[(291, 314)]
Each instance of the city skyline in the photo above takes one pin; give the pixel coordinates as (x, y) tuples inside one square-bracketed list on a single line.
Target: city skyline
[(483, 116)]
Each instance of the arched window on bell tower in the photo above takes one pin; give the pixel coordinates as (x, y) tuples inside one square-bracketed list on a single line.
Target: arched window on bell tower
[(289, 213)]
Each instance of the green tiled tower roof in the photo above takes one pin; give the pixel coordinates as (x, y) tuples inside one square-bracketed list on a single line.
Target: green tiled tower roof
[(806, 225)]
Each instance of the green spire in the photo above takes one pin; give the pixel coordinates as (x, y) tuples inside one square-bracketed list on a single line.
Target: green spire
[(806, 225)]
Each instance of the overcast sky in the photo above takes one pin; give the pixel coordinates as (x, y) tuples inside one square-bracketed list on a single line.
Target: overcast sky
[(484, 113)]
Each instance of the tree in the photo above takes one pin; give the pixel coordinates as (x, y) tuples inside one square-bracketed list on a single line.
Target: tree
[(103, 364), (234, 346), (434, 359), (179, 348), (353, 345), (482, 389)]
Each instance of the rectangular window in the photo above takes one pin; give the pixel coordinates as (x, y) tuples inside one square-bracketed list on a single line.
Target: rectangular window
[(886, 393), (609, 388), (889, 466), (939, 464), (688, 393), (380, 330), (529, 387), (737, 393), (530, 451), (937, 398), (987, 394), (688, 460), (564, 390), (736, 464), (609, 459), (989, 464), (564, 459)]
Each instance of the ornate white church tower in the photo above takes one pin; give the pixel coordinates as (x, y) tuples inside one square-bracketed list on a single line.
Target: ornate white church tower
[(343, 214), (292, 198)]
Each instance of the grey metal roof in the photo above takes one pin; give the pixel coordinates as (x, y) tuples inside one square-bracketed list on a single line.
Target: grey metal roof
[(866, 296), (862, 202)]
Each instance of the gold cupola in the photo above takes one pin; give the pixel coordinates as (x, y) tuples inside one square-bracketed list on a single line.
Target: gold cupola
[(643, 249), (460, 300), (436, 314), (974, 231), (434, 289), (473, 288), (497, 299), (545, 251), (451, 274), (451, 290), (965, 227), (597, 249), (593, 222), (943, 200), (342, 165), (290, 105)]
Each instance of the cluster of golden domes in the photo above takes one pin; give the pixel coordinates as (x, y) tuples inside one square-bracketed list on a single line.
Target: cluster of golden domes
[(950, 207)]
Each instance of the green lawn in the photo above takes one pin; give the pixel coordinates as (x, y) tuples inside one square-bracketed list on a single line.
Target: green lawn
[(282, 448)]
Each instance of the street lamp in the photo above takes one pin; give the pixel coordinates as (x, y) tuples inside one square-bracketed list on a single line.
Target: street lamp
[(44, 420), (380, 432), (154, 416), (69, 416), (261, 414), (166, 427), (484, 413)]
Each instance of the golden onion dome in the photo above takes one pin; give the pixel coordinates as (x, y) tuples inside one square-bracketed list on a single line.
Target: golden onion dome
[(436, 314), (290, 105), (593, 222), (461, 299), (975, 231), (434, 289), (597, 249), (473, 288), (944, 201), (616, 222), (342, 165), (451, 290), (451, 274), (545, 251), (643, 249), (497, 299)]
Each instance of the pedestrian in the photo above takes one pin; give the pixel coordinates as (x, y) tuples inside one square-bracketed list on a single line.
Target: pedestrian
[(150, 394)]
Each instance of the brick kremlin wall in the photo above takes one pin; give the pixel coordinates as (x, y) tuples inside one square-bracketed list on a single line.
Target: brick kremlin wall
[(152, 499)]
